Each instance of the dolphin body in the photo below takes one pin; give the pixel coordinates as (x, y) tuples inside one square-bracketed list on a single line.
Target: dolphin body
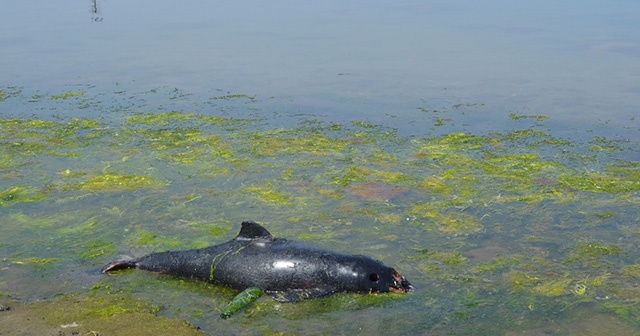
[(288, 270)]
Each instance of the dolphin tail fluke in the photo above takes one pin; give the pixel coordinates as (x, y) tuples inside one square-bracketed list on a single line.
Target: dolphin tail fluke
[(118, 265)]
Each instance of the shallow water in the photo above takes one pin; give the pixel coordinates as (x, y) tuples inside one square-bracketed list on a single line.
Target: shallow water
[(517, 225), (491, 156)]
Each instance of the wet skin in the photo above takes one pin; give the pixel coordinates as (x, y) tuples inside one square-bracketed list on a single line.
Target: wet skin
[(289, 270)]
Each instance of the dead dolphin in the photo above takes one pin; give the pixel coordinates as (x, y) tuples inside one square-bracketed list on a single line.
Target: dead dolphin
[(288, 270)]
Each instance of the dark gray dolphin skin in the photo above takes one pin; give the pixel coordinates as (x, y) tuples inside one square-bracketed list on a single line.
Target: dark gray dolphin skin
[(288, 270)]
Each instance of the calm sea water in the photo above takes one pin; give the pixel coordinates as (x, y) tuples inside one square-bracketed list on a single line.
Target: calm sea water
[(575, 61), (342, 125)]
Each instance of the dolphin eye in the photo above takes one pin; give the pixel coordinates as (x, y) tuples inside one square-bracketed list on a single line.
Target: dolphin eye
[(374, 277)]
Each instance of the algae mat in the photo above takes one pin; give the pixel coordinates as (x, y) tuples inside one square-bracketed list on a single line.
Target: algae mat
[(515, 225)]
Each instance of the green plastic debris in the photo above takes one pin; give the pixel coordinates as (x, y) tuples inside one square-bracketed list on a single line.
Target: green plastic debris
[(242, 300)]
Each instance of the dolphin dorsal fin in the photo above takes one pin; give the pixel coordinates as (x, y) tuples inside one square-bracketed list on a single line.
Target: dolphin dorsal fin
[(253, 230)]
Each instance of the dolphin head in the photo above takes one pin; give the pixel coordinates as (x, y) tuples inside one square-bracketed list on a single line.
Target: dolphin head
[(388, 280), (370, 275)]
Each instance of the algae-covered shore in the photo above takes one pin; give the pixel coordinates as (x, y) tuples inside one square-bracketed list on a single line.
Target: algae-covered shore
[(515, 224)]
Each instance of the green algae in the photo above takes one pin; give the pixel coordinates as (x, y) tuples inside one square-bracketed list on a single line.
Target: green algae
[(496, 264), (435, 184), (9, 92), (430, 216), (627, 310), (20, 194), (29, 137), (449, 144), (317, 236), (119, 183), (91, 315), (164, 139), (603, 182), (267, 194), (590, 250), (344, 176), (551, 285), (96, 248), (535, 117), (593, 255), (144, 238), (392, 177), (632, 270), (68, 95), (212, 229), (605, 214), (34, 261), (234, 96), (161, 119), (281, 142), (71, 173), (185, 144), (601, 144), (454, 223), (449, 258)]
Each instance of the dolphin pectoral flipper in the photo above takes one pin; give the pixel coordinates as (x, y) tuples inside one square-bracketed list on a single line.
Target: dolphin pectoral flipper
[(295, 295), (118, 265)]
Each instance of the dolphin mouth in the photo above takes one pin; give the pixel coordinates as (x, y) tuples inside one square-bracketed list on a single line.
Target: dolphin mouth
[(400, 284)]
